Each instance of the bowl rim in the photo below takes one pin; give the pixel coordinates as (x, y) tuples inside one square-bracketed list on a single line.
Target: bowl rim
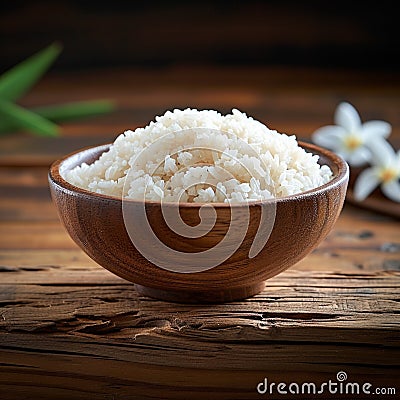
[(338, 179)]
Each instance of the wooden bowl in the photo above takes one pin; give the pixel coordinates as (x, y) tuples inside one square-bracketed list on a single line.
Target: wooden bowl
[(95, 222)]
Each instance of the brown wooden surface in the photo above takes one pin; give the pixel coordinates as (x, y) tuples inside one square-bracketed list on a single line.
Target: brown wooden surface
[(71, 330)]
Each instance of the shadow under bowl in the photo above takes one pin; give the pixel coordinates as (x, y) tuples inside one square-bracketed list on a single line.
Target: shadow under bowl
[(96, 223)]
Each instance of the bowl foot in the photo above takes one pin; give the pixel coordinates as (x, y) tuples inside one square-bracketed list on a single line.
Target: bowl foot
[(210, 296)]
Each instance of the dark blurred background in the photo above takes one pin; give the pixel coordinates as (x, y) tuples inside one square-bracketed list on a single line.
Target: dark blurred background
[(337, 34)]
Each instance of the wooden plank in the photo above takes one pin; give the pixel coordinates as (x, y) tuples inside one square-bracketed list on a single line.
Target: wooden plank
[(292, 299), (34, 235), (55, 266), (62, 339), (22, 150), (262, 77), (74, 261), (29, 209), (34, 258), (25, 195), (46, 374)]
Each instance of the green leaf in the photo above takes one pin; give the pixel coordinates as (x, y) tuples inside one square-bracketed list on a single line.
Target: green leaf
[(63, 112), (18, 80), (27, 119), (76, 110)]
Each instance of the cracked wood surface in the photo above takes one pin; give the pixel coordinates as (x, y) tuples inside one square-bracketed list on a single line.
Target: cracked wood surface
[(71, 330)]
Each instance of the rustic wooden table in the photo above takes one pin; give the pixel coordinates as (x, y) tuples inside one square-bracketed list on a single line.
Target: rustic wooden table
[(71, 330)]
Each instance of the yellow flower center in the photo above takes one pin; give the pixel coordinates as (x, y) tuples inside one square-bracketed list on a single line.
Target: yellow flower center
[(352, 142), (387, 174)]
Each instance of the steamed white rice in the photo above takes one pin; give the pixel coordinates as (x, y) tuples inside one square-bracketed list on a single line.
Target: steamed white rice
[(202, 156)]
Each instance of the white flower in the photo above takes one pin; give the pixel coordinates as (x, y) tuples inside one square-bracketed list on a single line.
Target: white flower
[(350, 137), (385, 171)]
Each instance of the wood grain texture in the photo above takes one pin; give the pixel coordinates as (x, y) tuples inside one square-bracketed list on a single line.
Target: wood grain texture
[(63, 338), (72, 330)]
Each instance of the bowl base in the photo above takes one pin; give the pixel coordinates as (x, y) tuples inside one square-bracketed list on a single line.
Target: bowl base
[(210, 296)]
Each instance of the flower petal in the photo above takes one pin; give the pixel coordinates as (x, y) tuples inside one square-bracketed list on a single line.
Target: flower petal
[(382, 153), (347, 116), (375, 129), (329, 136), (366, 182), (358, 157), (392, 190), (343, 154)]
